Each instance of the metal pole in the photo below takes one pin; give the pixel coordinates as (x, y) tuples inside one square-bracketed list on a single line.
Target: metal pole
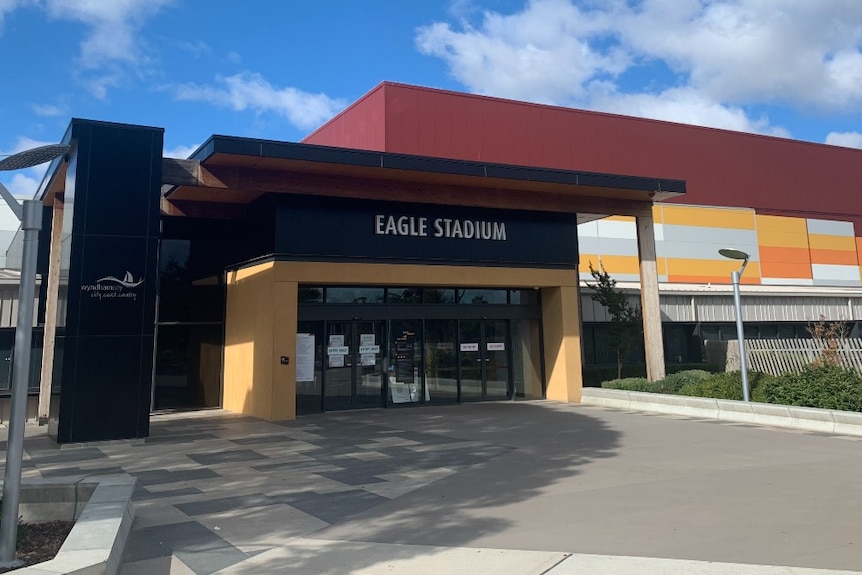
[(740, 336), (31, 223)]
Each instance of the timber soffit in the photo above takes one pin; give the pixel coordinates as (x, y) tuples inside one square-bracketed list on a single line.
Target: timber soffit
[(251, 153)]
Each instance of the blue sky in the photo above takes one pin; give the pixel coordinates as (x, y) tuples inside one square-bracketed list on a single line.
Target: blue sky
[(277, 69)]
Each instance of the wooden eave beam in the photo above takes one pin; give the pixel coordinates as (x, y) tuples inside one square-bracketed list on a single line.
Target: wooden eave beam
[(189, 173), (207, 183), (57, 186)]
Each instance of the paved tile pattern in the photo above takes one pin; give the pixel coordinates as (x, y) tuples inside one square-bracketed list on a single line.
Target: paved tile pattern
[(202, 481), (511, 488)]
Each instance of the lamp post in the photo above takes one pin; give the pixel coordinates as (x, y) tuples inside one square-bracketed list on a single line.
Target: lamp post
[(30, 215), (737, 304)]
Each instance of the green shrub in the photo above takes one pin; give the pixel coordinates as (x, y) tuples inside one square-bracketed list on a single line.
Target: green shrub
[(670, 384), (823, 386), (675, 381), (595, 375), (677, 367), (727, 385), (630, 384)]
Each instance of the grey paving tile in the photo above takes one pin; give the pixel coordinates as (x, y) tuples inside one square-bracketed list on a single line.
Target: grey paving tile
[(199, 548), (334, 445), (35, 445), (370, 467), (143, 494), (178, 438), (224, 504), (261, 439), (159, 476), (392, 440), (335, 507), (310, 466), (368, 455), (232, 456), (427, 438), (351, 477), (69, 455), (81, 471)]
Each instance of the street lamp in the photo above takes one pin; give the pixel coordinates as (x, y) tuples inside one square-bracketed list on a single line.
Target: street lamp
[(30, 216), (737, 304)]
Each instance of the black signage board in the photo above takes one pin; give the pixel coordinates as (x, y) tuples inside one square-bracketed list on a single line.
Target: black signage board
[(405, 363), (346, 229)]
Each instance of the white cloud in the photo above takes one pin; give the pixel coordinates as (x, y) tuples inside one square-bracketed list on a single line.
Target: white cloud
[(196, 48), (48, 110), (112, 48), (686, 106), (24, 143), (723, 56), (542, 54), (112, 26), (24, 186), (24, 183), (9, 6), (795, 51), (250, 91), (846, 139), (180, 152)]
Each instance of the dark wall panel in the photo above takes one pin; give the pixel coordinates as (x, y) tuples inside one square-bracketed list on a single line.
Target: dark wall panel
[(111, 224)]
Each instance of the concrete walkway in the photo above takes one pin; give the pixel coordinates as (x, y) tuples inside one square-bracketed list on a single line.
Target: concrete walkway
[(526, 487)]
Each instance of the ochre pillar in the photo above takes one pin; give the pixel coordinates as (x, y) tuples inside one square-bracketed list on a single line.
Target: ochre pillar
[(260, 328), (562, 330), (284, 345), (653, 344), (53, 294)]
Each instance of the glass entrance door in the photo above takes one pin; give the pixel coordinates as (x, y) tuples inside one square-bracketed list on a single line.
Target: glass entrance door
[(354, 364), (485, 371)]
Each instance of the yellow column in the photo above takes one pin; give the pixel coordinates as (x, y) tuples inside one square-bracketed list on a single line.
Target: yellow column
[(284, 345), (260, 329), (562, 331)]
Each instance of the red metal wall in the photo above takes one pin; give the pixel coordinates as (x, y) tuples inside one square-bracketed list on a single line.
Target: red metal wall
[(362, 125), (720, 167)]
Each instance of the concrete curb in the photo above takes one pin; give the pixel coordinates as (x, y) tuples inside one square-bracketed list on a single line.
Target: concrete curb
[(802, 418), (584, 564), (96, 543)]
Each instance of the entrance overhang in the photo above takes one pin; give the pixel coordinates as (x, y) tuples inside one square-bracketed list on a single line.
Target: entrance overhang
[(227, 173), (232, 172)]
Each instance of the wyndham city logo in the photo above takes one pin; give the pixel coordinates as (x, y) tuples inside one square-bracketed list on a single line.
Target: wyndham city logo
[(127, 281), (111, 287)]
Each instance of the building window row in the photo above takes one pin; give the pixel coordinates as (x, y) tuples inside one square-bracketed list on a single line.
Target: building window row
[(414, 295)]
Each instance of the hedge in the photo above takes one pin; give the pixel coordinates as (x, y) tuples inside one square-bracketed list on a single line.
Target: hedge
[(727, 385), (826, 387)]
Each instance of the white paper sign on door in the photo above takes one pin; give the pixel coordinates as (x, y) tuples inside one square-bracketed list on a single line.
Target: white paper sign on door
[(496, 346), (469, 347), (304, 357)]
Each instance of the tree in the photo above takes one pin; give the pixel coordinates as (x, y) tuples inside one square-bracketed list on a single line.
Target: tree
[(828, 337), (626, 318)]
